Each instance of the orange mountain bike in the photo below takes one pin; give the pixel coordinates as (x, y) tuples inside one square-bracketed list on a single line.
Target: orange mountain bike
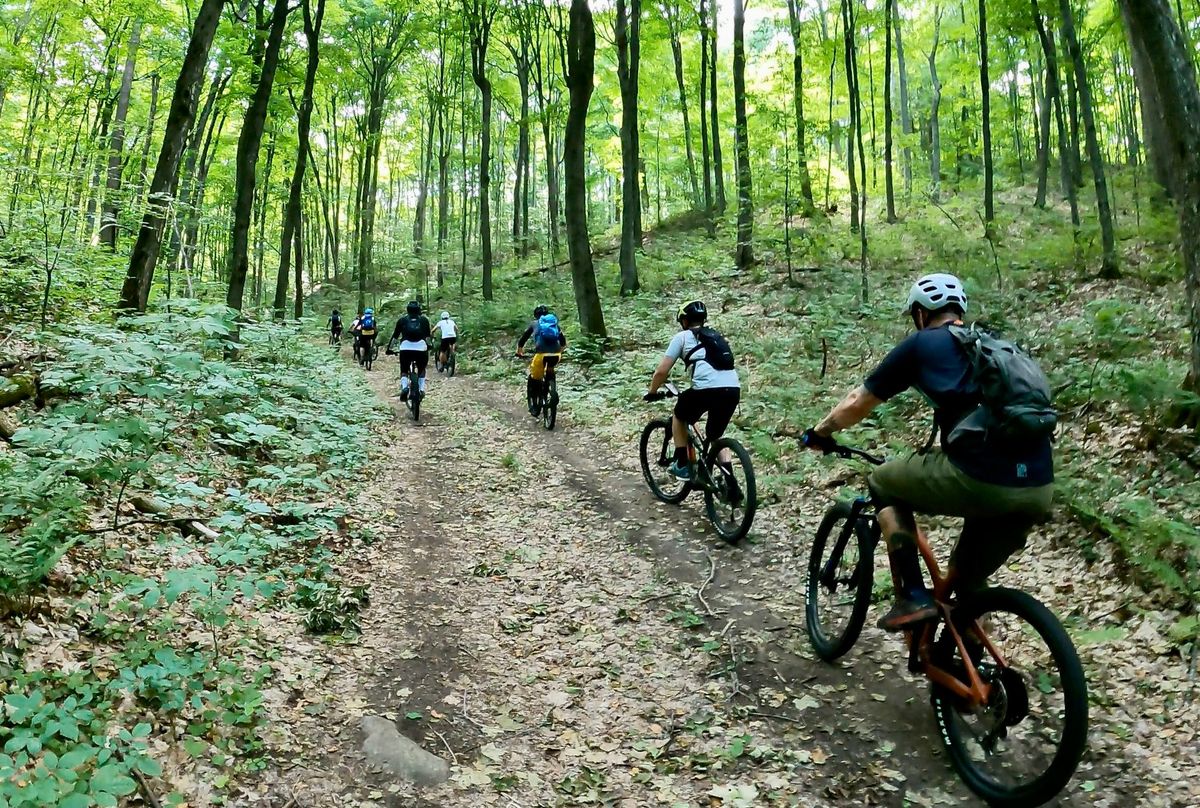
[(1008, 691)]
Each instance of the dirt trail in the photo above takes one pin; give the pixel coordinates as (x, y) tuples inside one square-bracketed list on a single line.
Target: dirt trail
[(534, 621)]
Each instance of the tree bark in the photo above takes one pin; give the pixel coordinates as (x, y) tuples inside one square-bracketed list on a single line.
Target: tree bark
[(1055, 91), (1109, 266), (705, 143), (293, 212), (935, 129), (906, 123), (581, 62), (745, 231), (1043, 149), (628, 32), (136, 289), (247, 159), (116, 144), (1150, 106), (481, 13)]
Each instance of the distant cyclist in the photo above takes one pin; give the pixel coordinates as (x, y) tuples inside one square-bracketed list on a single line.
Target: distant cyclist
[(548, 340), (715, 389), (368, 329), (411, 341), (999, 487), (448, 332), (355, 332), (335, 326)]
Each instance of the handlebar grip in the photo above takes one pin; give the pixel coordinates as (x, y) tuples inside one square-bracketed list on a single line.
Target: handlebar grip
[(817, 441)]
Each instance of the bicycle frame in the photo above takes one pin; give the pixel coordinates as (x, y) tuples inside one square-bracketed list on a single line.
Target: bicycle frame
[(920, 640)]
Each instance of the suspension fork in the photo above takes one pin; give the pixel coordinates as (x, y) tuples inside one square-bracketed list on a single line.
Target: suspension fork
[(859, 519)]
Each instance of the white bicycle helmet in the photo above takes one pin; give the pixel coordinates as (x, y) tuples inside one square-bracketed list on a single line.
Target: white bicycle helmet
[(936, 291), (445, 315)]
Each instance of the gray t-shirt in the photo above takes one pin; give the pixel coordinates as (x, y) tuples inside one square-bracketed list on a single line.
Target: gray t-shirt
[(704, 375)]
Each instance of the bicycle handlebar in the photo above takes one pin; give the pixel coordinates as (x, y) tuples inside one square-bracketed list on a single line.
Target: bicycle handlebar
[(668, 390), (831, 446)]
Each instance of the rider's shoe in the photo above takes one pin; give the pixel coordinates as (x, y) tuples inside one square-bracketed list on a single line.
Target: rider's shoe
[(681, 470), (909, 611), (404, 394), (734, 491)]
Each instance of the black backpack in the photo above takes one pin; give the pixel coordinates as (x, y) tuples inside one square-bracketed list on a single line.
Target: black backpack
[(412, 329), (717, 352), (1016, 395)]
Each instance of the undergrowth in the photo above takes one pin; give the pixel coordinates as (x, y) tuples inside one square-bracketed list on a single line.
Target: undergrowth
[(127, 638)]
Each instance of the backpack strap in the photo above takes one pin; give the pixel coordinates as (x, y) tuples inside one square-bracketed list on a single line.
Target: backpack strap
[(688, 362)]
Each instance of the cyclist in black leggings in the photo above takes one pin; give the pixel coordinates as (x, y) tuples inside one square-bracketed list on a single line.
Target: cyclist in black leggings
[(411, 338)]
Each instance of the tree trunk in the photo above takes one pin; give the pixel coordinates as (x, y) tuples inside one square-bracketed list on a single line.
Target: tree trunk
[(935, 129), (481, 17), (1173, 73), (581, 61), (1055, 92), (985, 89), (151, 119), (116, 145), (705, 143), (628, 31), (906, 123), (807, 206), (136, 289), (714, 118), (1043, 149), (1109, 267), (887, 115), (1150, 106), (1076, 164), (293, 211), (247, 159), (673, 24), (745, 233)]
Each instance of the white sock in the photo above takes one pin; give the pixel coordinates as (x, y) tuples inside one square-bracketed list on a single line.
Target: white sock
[(421, 382), (403, 383)]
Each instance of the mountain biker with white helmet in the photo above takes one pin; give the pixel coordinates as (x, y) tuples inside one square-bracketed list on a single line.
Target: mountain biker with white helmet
[(448, 331), (410, 340), (999, 488)]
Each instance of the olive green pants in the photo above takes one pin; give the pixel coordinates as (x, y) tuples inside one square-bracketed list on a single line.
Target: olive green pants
[(996, 518)]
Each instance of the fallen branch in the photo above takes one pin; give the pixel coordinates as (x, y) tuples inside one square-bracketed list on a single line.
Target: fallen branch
[(184, 523), (756, 714), (712, 573), (445, 743), (147, 794)]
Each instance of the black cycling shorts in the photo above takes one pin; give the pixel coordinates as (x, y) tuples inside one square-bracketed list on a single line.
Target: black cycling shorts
[(447, 342), (719, 402), (410, 358)]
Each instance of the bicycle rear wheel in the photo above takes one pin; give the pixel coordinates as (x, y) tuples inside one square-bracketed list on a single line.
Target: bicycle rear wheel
[(657, 453), (840, 577), (550, 406), (1022, 747), (414, 395), (732, 504), (450, 364)]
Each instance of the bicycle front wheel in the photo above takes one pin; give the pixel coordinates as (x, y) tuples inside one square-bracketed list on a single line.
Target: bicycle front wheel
[(1021, 747), (657, 452), (733, 497), (840, 577)]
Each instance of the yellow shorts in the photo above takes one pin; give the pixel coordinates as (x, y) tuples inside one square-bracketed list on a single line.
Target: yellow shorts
[(539, 364)]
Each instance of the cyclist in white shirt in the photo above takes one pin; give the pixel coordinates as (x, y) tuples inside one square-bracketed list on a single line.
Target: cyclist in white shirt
[(448, 331), (715, 389)]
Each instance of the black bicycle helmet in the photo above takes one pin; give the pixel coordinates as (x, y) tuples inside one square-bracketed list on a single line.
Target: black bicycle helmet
[(541, 311), (695, 312), (414, 308)]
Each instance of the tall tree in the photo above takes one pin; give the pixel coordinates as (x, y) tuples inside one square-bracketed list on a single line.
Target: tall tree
[(116, 144), (249, 142), (985, 91), (705, 143), (136, 289), (807, 206), (671, 11), (887, 114), (480, 14), (745, 228), (906, 123), (292, 215), (1109, 267), (935, 102), (1173, 74), (580, 53), (714, 119), (628, 41)]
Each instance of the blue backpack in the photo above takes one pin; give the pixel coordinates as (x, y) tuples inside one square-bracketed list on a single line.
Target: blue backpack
[(547, 336), (368, 322)]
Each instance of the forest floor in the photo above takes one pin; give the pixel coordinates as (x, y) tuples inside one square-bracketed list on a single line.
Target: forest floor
[(558, 636)]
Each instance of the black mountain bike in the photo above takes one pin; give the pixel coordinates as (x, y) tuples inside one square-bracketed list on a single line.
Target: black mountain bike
[(543, 401), (414, 394), (730, 494), (1008, 691), (335, 339), (446, 367)]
